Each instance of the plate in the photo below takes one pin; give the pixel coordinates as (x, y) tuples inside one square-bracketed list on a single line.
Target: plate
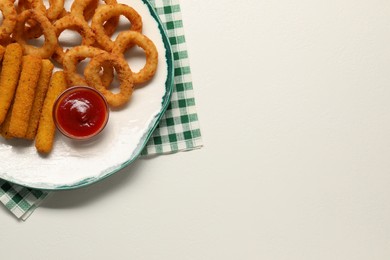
[(73, 164)]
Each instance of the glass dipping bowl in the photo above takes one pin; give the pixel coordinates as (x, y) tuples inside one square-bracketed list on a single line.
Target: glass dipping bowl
[(80, 112)]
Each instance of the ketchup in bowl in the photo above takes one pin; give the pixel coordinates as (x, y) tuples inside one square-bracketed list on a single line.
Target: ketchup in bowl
[(80, 112)]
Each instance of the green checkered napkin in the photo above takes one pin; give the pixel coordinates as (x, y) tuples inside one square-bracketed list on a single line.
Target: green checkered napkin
[(178, 130)]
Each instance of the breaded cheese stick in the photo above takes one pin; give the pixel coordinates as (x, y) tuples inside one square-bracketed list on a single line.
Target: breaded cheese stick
[(24, 96), (40, 94), (46, 127), (9, 77)]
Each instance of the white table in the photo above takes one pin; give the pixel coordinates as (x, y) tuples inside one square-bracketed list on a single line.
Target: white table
[(294, 104)]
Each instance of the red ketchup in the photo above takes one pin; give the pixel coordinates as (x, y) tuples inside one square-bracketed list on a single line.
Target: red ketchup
[(80, 112)]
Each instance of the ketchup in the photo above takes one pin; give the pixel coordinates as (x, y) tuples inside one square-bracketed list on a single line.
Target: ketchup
[(81, 112)]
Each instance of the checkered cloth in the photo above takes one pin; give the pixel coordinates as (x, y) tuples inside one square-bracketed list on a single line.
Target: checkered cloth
[(177, 131)]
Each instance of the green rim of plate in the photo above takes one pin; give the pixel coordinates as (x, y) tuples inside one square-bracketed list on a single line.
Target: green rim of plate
[(165, 102)]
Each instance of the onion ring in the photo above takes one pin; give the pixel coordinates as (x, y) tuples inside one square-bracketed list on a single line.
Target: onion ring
[(72, 23), (21, 6), (124, 75), (32, 30), (51, 41), (105, 12), (36, 4), (89, 10), (63, 13), (6, 41), (55, 9), (73, 56), (79, 7), (86, 9), (10, 17), (125, 40), (53, 12)]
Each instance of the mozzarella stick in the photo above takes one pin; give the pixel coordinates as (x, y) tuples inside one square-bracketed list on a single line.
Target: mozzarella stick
[(24, 96), (5, 125), (9, 77), (40, 94), (46, 127)]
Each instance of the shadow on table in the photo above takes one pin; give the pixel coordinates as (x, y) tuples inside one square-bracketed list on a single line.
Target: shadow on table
[(92, 193)]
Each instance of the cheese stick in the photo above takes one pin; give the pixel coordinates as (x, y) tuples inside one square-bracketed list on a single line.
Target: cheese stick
[(24, 97), (9, 77), (42, 86), (46, 127)]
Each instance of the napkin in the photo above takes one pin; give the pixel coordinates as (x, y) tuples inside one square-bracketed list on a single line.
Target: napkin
[(177, 131)]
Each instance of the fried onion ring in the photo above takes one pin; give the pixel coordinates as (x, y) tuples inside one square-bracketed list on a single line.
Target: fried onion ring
[(21, 6), (73, 56), (63, 13), (105, 12), (55, 10), (86, 9), (125, 40), (36, 4), (124, 75), (10, 17), (6, 41), (72, 23), (50, 43), (89, 10), (32, 30)]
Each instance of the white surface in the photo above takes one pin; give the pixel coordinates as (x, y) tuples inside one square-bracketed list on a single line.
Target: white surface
[(75, 163), (294, 103)]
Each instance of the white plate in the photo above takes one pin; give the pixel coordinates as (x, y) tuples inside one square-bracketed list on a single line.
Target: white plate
[(74, 164)]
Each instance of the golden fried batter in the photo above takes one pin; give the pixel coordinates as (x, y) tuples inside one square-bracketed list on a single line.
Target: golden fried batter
[(24, 96), (46, 128), (40, 94), (9, 77)]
